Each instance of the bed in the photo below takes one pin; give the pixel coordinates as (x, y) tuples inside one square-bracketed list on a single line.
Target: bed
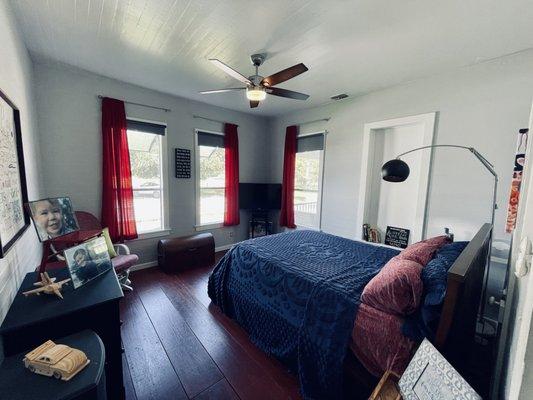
[(298, 295)]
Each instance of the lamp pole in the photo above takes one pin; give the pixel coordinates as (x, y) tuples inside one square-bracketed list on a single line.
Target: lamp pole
[(490, 168)]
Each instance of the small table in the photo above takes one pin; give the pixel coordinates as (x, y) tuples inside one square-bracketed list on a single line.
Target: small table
[(32, 320), (89, 383), (387, 388)]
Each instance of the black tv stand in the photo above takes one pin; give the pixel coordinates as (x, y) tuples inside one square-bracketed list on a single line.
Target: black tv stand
[(260, 224)]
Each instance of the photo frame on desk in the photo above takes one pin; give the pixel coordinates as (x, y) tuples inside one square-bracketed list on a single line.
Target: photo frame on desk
[(87, 261), (13, 191), (429, 376), (53, 217)]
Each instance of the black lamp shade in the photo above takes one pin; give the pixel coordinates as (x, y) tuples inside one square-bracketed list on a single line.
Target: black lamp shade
[(395, 171)]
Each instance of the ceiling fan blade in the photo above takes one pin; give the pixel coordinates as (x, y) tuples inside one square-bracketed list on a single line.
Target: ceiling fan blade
[(284, 75), (233, 89), (287, 93), (230, 71), (254, 104)]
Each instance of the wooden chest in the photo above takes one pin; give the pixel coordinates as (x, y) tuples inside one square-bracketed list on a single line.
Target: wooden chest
[(181, 253)]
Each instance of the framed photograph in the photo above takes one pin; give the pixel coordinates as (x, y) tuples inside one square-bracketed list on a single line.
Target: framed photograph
[(13, 192), (87, 261), (430, 377), (53, 217), (397, 237)]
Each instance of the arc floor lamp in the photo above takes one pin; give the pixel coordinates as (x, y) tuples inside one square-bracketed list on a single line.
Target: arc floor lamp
[(397, 170)]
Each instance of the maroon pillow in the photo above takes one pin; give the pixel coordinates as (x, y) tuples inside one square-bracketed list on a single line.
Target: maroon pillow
[(396, 289), (422, 252)]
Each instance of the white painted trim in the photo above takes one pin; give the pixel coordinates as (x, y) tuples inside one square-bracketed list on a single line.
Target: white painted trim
[(165, 180), (208, 227), (321, 174), (198, 226), (428, 120), (152, 234)]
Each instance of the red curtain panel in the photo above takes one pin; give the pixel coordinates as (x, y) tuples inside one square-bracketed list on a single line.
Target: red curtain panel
[(286, 217), (231, 205), (117, 194)]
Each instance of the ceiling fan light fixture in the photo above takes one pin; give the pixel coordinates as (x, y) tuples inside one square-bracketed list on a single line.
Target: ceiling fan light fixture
[(256, 93)]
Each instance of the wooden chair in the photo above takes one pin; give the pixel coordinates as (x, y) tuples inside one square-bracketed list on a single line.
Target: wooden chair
[(124, 259)]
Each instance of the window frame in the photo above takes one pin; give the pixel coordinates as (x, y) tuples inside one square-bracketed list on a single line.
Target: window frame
[(320, 181), (165, 229), (198, 226)]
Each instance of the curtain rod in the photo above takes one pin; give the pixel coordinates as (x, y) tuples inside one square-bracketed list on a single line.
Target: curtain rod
[(210, 119), (316, 120), (142, 105)]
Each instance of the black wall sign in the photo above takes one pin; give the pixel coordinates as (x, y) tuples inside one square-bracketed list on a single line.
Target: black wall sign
[(397, 237), (183, 163)]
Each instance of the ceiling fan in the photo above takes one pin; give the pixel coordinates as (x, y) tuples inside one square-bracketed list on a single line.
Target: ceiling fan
[(257, 86)]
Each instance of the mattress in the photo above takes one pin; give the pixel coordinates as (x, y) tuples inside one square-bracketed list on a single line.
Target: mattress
[(378, 342), (297, 296)]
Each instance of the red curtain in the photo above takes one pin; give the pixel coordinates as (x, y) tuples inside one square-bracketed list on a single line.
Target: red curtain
[(286, 217), (231, 145), (117, 194)]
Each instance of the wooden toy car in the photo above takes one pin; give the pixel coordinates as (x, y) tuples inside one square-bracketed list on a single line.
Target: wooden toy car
[(57, 360)]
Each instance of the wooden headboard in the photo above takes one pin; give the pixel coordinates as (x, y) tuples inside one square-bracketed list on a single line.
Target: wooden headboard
[(457, 325)]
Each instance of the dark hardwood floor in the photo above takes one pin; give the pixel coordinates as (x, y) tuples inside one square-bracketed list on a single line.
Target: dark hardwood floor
[(180, 346)]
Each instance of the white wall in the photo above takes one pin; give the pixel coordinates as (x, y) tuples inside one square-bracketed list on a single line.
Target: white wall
[(481, 106), (70, 116), (397, 204), (16, 82)]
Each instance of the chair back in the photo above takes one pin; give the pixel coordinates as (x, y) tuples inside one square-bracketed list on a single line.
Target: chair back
[(87, 221)]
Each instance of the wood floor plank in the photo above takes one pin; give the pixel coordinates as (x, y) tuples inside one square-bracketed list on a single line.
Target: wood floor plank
[(222, 390), (196, 369), (151, 371), (128, 384), (198, 288), (245, 375)]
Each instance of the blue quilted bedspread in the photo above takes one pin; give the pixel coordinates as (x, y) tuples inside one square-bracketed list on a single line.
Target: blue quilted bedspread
[(297, 295)]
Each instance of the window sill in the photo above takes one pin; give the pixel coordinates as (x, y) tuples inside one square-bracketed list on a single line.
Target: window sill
[(153, 234), (207, 227)]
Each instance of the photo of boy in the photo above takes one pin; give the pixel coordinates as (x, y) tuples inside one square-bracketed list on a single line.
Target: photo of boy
[(87, 261), (53, 217)]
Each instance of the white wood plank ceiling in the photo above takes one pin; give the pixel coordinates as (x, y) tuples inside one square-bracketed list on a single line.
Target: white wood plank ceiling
[(350, 47)]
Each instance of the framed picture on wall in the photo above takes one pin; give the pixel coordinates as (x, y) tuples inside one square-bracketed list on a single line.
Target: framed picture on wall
[(13, 191)]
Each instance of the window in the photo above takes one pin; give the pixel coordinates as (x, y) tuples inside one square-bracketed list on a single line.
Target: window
[(146, 142), (308, 180), (210, 178)]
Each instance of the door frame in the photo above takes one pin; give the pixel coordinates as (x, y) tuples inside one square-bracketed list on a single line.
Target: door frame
[(428, 121)]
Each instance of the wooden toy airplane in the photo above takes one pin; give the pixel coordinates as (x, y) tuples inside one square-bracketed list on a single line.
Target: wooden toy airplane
[(47, 285)]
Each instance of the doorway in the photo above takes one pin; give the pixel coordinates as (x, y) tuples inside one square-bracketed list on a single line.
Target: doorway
[(404, 205)]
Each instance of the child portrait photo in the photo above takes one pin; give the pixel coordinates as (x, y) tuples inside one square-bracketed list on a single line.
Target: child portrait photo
[(53, 217), (87, 260)]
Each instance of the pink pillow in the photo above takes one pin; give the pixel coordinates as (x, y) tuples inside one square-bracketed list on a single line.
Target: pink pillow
[(396, 289), (422, 252)]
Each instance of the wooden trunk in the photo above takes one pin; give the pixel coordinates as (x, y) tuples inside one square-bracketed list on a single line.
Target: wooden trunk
[(181, 253)]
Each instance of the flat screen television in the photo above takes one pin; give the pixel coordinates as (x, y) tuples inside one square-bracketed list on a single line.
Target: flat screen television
[(259, 196)]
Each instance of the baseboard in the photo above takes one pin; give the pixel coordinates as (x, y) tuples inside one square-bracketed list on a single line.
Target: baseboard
[(145, 265), (151, 264)]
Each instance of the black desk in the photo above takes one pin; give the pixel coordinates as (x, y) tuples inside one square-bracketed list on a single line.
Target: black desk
[(32, 320), (89, 383)]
